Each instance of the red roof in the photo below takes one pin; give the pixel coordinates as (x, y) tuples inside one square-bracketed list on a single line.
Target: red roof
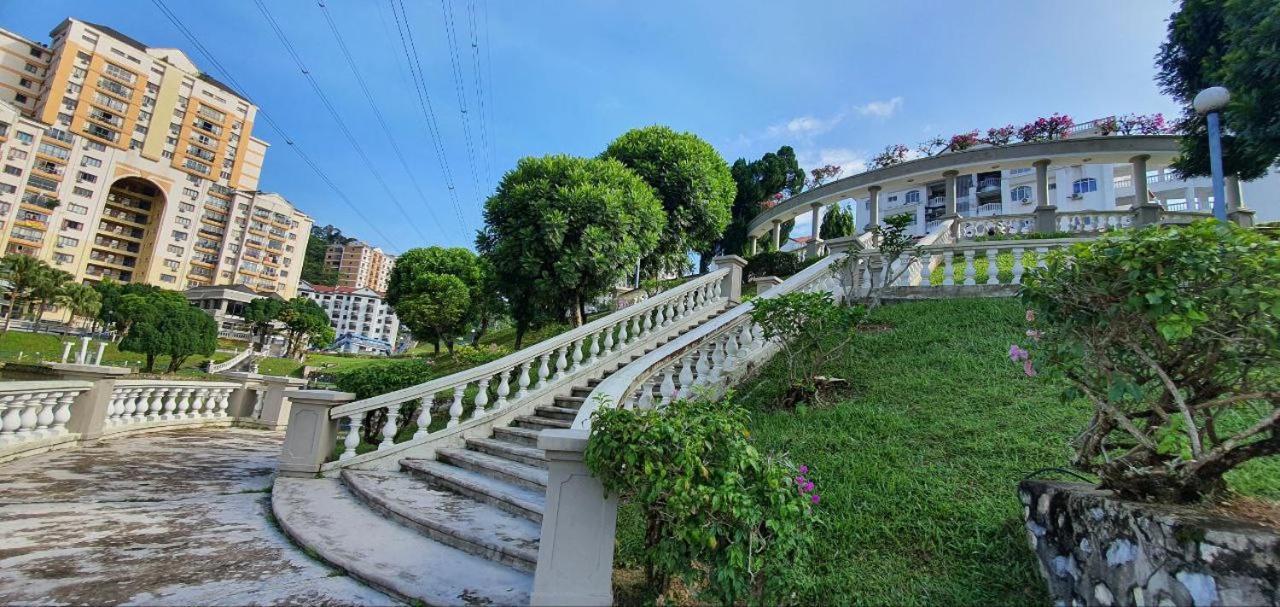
[(340, 290)]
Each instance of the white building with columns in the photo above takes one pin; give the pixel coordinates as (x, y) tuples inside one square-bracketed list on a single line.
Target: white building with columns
[(363, 321)]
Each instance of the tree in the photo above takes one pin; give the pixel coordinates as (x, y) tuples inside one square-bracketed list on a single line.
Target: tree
[(758, 181), (1225, 43), (261, 315), (81, 301), (162, 323), (695, 187), (823, 174), (188, 332), (304, 322), (23, 275), (47, 290), (837, 223), (112, 296), (417, 270), (563, 230), (434, 312)]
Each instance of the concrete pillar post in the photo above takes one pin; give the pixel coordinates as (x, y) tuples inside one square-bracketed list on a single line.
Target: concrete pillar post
[(311, 433), (1237, 211), (1046, 214), (764, 283), (575, 554), (950, 177), (815, 229), (1145, 211), (89, 412), (755, 242), (873, 207), (777, 235), (732, 287)]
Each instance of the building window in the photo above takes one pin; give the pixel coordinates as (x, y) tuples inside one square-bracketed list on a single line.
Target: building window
[(67, 224), (73, 88), (78, 191), (912, 196), (95, 146), (87, 177), (62, 258), (78, 209), (6, 188), (19, 98), (175, 250), (91, 162), (1021, 193), (183, 221), (186, 207), (23, 82), (9, 169), (67, 242), (168, 278), (171, 264), (25, 137), (1084, 186), (179, 236), (16, 154)]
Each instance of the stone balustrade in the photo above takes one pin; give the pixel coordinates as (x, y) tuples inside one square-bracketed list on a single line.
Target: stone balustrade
[(230, 363), (150, 403), (444, 408), (35, 414), (575, 554)]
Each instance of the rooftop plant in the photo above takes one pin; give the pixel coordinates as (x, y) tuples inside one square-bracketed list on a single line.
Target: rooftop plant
[(1172, 334)]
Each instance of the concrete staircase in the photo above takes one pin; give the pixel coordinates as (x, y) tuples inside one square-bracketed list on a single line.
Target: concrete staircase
[(462, 528)]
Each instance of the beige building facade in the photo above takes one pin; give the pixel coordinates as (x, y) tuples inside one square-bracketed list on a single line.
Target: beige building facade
[(360, 266), (123, 161)]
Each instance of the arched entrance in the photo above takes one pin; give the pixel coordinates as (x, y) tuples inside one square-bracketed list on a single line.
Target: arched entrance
[(123, 242)]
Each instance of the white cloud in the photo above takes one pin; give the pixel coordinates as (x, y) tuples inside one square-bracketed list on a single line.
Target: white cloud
[(881, 109), (849, 160), (804, 126)]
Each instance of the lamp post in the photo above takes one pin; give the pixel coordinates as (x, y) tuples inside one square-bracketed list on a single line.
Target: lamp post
[(1209, 102)]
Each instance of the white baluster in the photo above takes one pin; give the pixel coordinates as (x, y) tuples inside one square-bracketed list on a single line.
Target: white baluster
[(703, 366), (948, 269), (668, 384), (993, 273), (352, 441), (134, 405), (504, 388), (636, 327), (1017, 265), (717, 361), (114, 407), (201, 402), (62, 414), (522, 381), (223, 401), (544, 372), (389, 428), (170, 403), (608, 340), (1041, 252), (562, 363), (155, 400), (455, 409), (11, 419), (715, 290), (686, 376), (184, 403), (595, 349), (731, 350), (577, 355), (646, 395), (30, 404), (44, 412), (482, 397), (622, 333), (647, 325), (969, 271), (258, 396), (745, 338), (424, 417)]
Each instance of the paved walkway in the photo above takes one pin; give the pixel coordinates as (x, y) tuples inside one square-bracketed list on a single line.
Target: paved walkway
[(173, 518)]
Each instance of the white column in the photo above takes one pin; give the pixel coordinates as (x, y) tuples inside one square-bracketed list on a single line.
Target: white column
[(777, 235), (873, 206)]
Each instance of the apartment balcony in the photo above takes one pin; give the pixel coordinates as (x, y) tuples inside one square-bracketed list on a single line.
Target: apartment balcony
[(58, 135), (989, 185), (126, 218), (119, 261), (30, 239), (43, 201), (98, 271), (107, 227), (115, 245)]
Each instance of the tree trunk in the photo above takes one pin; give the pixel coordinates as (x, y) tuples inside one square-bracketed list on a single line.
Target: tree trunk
[(576, 314), (448, 343), (480, 331), (704, 262), (521, 327), (151, 363), (13, 305), (435, 343)]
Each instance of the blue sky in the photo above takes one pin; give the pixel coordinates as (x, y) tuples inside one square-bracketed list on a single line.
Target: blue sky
[(836, 81)]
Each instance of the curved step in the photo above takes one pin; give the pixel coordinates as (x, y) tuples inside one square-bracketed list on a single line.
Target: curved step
[(561, 413), (531, 456), (529, 477), (543, 423), (515, 434), (448, 517), (321, 515), (520, 501)]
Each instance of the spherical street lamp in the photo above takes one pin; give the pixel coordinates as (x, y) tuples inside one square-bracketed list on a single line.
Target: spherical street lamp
[(1210, 102)]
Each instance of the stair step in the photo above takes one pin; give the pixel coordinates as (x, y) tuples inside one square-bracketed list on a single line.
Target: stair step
[(543, 423), (520, 501), (570, 402), (321, 515), (524, 475), (450, 518), (583, 392), (517, 435), (562, 413), (531, 456)]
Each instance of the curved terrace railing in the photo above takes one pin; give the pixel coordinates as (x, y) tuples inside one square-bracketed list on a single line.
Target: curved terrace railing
[(36, 412), (498, 388), (230, 363), (145, 403)]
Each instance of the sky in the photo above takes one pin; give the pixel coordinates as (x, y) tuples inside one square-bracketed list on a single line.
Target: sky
[(837, 81)]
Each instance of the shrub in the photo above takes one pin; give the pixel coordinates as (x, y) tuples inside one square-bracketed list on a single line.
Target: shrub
[(725, 518), (1173, 335), (773, 263), (810, 328)]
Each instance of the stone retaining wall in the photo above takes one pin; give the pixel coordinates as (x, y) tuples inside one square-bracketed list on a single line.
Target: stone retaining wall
[(1094, 549)]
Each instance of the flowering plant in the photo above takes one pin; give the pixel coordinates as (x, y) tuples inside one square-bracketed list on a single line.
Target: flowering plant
[(1045, 129), (1108, 125), (893, 154), (1141, 125), (963, 141), (1001, 135)]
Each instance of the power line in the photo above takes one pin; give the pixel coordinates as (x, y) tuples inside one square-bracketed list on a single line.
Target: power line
[(488, 58), (342, 125), (479, 80), (424, 98), (195, 42), (459, 87), (364, 88)]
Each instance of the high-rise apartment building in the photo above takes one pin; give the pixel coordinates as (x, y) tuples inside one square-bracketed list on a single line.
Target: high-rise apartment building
[(126, 161), (360, 266)]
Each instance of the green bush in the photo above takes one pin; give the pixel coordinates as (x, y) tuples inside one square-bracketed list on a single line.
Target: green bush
[(367, 381), (733, 523), (810, 328), (773, 263), (1173, 334)]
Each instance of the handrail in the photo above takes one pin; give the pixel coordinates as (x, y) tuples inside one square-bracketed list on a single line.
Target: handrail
[(530, 353), (614, 390), (232, 362)]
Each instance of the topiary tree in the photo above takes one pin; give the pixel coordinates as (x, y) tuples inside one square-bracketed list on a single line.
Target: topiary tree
[(434, 313), (418, 269), (162, 323), (562, 230), (261, 315), (1172, 334), (695, 187), (305, 322)]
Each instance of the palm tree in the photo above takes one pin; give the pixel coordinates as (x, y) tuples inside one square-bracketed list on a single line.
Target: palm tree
[(47, 290), (21, 274), (81, 300)]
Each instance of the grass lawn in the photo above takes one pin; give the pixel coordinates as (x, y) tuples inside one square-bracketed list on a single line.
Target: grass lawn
[(36, 347), (918, 468)]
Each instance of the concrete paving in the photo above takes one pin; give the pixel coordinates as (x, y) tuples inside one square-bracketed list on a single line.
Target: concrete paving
[(172, 518)]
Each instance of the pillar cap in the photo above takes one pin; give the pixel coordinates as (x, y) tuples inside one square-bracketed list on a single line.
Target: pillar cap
[(874, 189), (1140, 158), (1042, 162), (768, 280), (950, 173), (729, 260)]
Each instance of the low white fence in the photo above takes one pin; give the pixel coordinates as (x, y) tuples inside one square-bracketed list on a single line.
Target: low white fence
[(149, 403), (230, 363), (36, 413)]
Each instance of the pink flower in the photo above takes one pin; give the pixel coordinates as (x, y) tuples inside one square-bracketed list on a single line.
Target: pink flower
[(804, 469), (808, 487), (1034, 334), (799, 481), (1018, 354), (815, 498), (1028, 369), (1031, 315)]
